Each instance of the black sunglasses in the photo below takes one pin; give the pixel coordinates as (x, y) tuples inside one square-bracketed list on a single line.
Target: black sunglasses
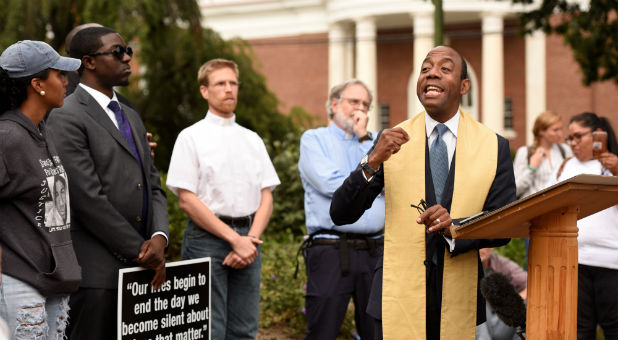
[(118, 52)]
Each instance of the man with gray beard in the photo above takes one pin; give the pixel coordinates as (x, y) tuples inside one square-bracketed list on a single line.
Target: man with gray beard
[(340, 259)]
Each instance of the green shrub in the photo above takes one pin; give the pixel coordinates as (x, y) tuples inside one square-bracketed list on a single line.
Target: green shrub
[(288, 215), (178, 221), (282, 297), (514, 250)]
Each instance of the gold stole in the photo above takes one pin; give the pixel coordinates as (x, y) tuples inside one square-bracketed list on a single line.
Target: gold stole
[(404, 281)]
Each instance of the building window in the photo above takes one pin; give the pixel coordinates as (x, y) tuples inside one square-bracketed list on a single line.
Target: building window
[(508, 113), (466, 99), (385, 112)]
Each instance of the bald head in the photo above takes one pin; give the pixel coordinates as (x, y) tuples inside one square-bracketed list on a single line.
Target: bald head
[(67, 40), (441, 82)]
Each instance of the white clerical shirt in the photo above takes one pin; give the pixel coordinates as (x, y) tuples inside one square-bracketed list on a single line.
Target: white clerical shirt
[(224, 164)]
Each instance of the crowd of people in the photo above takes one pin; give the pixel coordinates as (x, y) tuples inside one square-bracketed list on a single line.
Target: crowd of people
[(80, 199)]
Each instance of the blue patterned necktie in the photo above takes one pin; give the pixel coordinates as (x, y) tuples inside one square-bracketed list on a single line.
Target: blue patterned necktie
[(124, 127), (438, 159)]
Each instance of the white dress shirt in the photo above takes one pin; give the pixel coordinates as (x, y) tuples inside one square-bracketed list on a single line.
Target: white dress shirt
[(449, 137), (224, 164), (103, 100)]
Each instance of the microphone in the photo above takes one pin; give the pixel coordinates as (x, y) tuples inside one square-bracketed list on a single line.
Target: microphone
[(504, 300)]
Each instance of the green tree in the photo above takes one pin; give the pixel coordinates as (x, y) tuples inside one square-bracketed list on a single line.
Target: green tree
[(590, 32), (170, 46), (438, 25)]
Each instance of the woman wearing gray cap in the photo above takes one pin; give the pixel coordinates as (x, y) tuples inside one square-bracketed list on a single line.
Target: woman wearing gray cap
[(39, 268)]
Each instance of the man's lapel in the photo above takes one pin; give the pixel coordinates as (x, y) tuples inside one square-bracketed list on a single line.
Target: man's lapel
[(97, 113), (133, 117)]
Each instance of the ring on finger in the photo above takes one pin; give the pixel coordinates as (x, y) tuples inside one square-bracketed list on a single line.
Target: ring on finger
[(437, 220)]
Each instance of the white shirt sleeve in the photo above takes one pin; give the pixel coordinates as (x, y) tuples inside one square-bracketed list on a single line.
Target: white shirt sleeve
[(183, 172), (451, 243), (269, 178)]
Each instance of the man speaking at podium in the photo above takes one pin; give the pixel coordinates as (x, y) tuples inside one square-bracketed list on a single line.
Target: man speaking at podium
[(428, 285)]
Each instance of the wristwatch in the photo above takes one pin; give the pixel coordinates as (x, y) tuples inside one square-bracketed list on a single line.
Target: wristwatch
[(368, 136), (365, 165)]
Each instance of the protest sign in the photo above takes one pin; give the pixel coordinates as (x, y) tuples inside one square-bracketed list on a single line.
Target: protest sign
[(179, 310)]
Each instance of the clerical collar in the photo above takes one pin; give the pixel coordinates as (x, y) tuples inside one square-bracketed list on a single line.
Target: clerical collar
[(340, 132), (220, 121)]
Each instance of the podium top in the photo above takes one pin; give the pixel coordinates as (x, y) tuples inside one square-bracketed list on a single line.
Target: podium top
[(589, 193)]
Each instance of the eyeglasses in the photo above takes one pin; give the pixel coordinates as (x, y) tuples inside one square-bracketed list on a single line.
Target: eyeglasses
[(421, 207), (118, 52), (358, 103), (576, 137), (222, 84)]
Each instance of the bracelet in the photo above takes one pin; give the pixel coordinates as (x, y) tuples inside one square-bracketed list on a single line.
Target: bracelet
[(533, 169)]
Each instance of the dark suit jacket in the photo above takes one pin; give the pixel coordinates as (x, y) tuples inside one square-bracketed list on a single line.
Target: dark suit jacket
[(356, 195), (105, 186)]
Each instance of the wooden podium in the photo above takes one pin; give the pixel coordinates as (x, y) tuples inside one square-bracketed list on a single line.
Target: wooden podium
[(549, 217)]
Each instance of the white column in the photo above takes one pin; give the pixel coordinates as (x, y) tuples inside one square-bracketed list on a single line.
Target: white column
[(366, 63), (348, 52), (336, 54), (493, 73), (423, 43), (536, 94)]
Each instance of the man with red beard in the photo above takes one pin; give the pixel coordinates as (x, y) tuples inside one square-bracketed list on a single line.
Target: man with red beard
[(223, 177), (455, 167)]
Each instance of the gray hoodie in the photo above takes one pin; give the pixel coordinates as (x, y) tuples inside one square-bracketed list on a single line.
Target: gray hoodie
[(35, 217)]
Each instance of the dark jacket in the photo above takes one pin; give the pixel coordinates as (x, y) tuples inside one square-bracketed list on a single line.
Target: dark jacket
[(106, 188)]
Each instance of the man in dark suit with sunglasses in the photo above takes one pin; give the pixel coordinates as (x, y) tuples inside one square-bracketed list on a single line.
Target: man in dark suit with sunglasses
[(73, 77), (119, 210)]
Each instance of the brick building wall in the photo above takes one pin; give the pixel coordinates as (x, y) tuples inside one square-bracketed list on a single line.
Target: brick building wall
[(567, 95), (296, 69), (394, 70)]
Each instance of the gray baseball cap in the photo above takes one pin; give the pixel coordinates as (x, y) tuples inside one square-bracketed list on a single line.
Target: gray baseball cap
[(27, 57)]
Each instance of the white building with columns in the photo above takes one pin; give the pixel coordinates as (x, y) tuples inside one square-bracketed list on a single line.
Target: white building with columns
[(304, 47)]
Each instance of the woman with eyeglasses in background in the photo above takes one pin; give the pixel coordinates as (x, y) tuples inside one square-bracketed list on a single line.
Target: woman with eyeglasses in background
[(39, 267), (597, 239)]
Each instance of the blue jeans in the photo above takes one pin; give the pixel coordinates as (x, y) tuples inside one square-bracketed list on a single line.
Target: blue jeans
[(28, 314), (235, 301)]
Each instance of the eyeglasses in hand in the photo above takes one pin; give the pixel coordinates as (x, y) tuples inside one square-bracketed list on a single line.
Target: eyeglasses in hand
[(421, 207)]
